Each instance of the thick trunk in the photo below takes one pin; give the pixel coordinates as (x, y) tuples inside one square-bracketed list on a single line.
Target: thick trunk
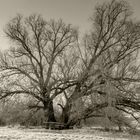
[(69, 116), (49, 112), (65, 114)]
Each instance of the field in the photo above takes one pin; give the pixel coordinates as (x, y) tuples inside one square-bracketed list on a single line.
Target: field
[(18, 133)]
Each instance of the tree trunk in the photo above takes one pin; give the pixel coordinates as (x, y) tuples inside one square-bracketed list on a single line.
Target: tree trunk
[(65, 113), (66, 116), (49, 111), (69, 116)]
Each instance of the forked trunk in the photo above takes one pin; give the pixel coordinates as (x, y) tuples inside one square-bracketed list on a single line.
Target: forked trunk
[(68, 116)]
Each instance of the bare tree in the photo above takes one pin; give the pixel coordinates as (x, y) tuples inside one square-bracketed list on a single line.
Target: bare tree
[(48, 61), (105, 61), (31, 66)]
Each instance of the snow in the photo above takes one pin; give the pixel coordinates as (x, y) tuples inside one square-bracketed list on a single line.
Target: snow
[(43, 134)]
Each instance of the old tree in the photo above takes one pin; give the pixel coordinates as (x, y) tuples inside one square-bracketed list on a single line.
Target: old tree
[(101, 72), (31, 66)]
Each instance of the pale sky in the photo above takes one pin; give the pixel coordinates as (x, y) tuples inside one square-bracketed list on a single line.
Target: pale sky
[(76, 12)]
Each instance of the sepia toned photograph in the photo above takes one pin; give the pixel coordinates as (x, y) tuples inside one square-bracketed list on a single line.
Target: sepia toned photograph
[(70, 70)]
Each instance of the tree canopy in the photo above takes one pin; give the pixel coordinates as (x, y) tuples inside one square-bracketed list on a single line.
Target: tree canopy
[(48, 62)]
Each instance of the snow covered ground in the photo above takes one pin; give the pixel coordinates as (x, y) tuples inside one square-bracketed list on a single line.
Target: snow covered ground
[(43, 134)]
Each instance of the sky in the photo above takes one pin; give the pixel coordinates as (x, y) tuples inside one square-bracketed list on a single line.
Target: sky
[(76, 12)]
